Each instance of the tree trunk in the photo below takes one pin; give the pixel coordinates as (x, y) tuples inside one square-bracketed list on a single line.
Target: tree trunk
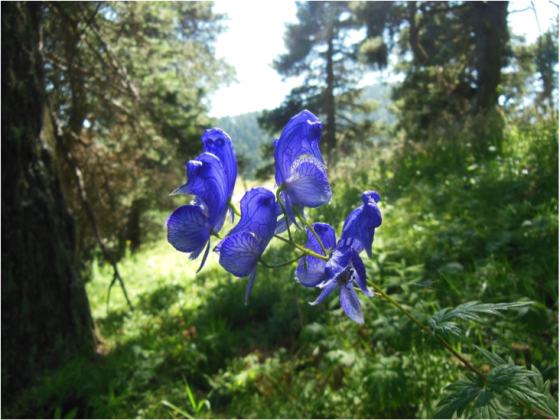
[(329, 96), (491, 34), (46, 316)]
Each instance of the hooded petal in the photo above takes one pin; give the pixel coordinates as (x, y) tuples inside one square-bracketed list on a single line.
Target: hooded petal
[(361, 223), (187, 230), (311, 271), (300, 137), (360, 275), (308, 185), (217, 142), (350, 302), (207, 181), (258, 215), (327, 289), (239, 254)]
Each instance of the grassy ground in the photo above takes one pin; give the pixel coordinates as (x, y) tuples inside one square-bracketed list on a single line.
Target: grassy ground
[(458, 226)]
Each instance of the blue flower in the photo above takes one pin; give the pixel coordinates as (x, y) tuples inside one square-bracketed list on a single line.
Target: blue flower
[(300, 169), (361, 223), (189, 227), (345, 265), (241, 249), (217, 142)]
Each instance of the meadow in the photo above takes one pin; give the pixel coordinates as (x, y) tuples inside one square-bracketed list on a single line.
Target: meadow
[(459, 224)]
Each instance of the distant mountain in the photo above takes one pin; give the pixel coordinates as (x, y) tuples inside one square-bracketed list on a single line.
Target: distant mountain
[(248, 137)]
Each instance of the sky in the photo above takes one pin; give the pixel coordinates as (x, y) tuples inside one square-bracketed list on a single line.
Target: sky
[(255, 38)]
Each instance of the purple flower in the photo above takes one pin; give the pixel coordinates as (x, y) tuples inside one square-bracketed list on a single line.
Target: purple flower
[(361, 223), (241, 249), (217, 142), (300, 169), (345, 265), (189, 227)]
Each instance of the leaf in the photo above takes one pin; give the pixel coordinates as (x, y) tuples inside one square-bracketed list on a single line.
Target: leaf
[(465, 392), (516, 383), (487, 406), (448, 329), (177, 409), (470, 310), (494, 359), (544, 389), (72, 413)]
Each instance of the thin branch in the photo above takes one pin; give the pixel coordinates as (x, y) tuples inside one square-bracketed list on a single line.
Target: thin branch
[(282, 264), (81, 189)]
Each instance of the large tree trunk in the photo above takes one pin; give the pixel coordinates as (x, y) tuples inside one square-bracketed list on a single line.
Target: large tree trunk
[(491, 34), (46, 316)]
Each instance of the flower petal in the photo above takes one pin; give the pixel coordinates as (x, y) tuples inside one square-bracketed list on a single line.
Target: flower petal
[(207, 181), (326, 233), (308, 185), (310, 271), (239, 254), (327, 289), (258, 215), (350, 303), (361, 223), (187, 229), (250, 285), (340, 260), (204, 258), (360, 277), (300, 137), (290, 211), (217, 142)]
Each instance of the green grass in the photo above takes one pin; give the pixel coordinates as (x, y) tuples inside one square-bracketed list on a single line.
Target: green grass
[(484, 228)]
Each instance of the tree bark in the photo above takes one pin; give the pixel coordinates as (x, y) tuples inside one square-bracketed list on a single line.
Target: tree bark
[(329, 94), (46, 316), (490, 27)]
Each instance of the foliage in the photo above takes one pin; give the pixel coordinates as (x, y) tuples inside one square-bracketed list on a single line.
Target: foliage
[(127, 94), (319, 51), (442, 244)]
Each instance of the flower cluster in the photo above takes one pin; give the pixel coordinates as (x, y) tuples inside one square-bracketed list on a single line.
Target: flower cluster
[(302, 182)]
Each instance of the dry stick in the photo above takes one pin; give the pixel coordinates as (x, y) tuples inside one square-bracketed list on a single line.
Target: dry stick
[(448, 347), (91, 216)]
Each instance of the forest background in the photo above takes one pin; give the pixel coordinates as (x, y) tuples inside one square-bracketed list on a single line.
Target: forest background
[(104, 102)]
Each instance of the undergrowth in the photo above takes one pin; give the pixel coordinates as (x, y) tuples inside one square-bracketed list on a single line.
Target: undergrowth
[(458, 226)]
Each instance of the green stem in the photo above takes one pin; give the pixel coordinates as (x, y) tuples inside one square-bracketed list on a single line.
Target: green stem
[(302, 249), (446, 345), (232, 206), (306, 223), (216, 234), (280, 265), (280, 189)]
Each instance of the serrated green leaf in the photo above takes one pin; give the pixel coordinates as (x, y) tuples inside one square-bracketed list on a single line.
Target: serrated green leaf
[(544, 389), (449, 329), (470, 310), (487, 406), (515, 383), (494, 359), (464, 393)]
